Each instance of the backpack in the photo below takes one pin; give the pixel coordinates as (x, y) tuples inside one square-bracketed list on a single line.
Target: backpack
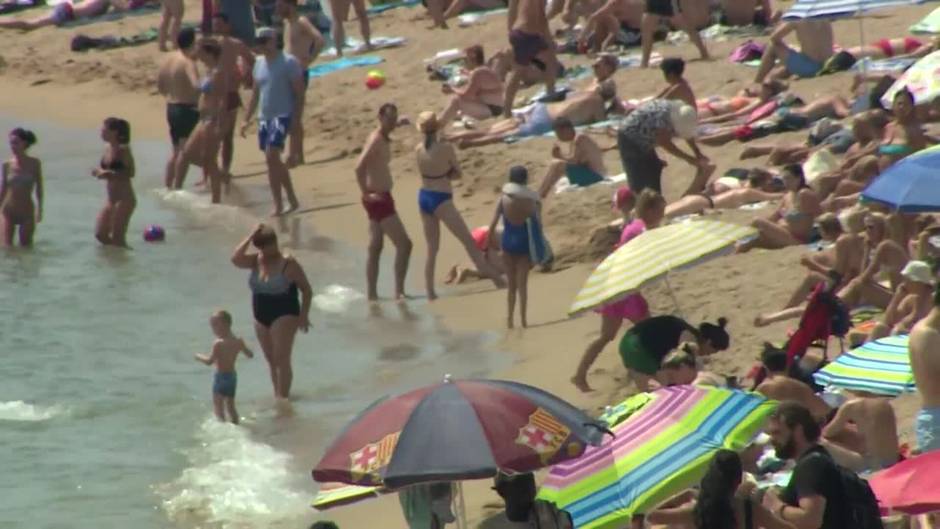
[(547, 516), (861, 505), (840, 320)]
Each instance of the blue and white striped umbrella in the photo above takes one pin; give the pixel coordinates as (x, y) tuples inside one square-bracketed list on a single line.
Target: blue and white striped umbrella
[(839, 8), (882, 366)]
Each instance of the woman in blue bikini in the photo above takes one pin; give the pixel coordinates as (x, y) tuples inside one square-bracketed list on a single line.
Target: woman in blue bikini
[(438, 165)]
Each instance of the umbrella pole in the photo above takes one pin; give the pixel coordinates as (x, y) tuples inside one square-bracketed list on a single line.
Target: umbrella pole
[(461, 507), (672, 294)]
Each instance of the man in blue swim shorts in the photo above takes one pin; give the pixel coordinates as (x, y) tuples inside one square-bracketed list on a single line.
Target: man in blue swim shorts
[(583, 165), (815, 40), (278, 87), (924, 349)]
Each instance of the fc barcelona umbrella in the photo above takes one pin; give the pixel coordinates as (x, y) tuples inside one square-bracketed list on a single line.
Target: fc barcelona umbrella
[(456, 430)]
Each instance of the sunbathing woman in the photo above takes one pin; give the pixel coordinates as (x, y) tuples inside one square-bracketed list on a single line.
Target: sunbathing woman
[(792, 222), (67, 12), (482, 96), (900, 47), (883, 261), (760, 187), (719, 109), (905, 135), (438, 166), (790, 117)]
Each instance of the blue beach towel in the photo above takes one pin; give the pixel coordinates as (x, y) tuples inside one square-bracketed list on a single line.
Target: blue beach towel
[(540, 252), (342, 64), (381, 8)]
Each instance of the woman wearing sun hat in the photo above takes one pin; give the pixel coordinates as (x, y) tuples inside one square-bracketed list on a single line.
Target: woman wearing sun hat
[(653, 124), (438, 165)]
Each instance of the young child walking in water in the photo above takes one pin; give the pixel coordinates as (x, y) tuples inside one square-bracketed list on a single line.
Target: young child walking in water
[(224, 352)]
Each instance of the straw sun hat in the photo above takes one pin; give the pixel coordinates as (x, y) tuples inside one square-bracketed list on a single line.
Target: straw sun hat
[(684, 120)]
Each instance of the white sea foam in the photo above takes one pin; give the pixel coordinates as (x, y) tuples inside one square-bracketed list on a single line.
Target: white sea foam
[(233, 482), (20, 411), (201, 204), (336, 298)]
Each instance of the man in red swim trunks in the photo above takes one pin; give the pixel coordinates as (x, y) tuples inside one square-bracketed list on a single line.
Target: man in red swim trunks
[(532, 46), (375, 181)]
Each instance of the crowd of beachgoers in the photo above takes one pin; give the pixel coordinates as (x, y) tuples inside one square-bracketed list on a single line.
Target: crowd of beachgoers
[(870, 266)]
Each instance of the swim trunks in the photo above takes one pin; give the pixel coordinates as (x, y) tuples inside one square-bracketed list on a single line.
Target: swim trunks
[(182, 119), (663, 8), (224, 384), (525, 47), (381, 208), (581, 175), (802, 65), (233, 100), (535, 122), (63, 13), (928, 429), (273, 132)]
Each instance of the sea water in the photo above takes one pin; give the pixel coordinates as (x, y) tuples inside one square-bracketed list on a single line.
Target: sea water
[(105, 417)]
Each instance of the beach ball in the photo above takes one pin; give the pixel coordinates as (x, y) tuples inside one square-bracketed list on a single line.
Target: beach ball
[(375, 79), (154, 233)]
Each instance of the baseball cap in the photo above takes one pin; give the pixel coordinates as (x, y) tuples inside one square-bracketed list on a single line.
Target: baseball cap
[(265, 33), (622, 196)]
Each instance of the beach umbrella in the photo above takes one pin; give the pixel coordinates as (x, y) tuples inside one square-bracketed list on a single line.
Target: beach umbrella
[(337, 494), (456, 430), (922, 79), (882, 366), (911, 486), (652, 255), (661, 447), (911, 185), (839, 8)]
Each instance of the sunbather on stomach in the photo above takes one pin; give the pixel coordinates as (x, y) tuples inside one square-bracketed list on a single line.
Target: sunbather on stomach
[(718, 109), (67, 12), (581, 109), (792, 222), (759, 187)]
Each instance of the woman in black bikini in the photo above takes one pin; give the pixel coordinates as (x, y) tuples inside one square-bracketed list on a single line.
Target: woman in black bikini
[(116, 169), (21, 176), (275, 281)]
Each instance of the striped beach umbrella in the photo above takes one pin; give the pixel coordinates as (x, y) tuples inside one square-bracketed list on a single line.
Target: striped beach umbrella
[(882, 366), (662, 446), (839, 8), (653, 254), (337, 494)]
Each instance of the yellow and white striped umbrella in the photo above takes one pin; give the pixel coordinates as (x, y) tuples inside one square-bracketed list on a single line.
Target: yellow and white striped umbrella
[(653, 254)]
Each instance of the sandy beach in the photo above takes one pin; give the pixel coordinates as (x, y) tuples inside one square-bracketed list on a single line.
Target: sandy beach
[(40, 79)]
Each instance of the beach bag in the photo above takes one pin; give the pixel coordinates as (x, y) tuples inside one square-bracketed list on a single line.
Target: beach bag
[(540, 252), (547, 516), (749, 51), (861, 505)]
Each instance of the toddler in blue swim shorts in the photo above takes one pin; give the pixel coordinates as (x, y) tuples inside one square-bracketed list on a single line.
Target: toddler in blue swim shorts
[(224, 352)]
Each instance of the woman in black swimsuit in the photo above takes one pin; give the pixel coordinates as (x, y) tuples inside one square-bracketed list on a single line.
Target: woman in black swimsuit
[(116, 168), (275, 281)]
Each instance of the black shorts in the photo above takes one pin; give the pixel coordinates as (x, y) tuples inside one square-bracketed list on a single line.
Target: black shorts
[(663, 8), (643, 167), (182, 119)]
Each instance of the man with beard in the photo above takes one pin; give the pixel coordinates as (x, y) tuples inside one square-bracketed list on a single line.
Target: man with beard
[(815, 497)]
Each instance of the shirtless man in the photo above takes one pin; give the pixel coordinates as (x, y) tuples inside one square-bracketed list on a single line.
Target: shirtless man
[(780, 387), (747, 12), (532, 46), (64, 13), (875, 428), (375, 182), (340, 11), (924, 348), (305, 43), (582, 108), (178, 82), (815, 39), (233, 51), (605, 24), (584, 163), (910, 303)]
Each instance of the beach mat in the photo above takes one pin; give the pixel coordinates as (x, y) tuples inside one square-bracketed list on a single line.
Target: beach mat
[(469, 19), (357, 46), (345, 63), (719, 33), (388, 6), (883, 65), (929, 24), (563, 185), (146, 9)]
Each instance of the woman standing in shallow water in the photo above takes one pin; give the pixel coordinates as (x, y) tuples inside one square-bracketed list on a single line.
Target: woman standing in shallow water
[(21, 176), (275, 281), (116, 169)]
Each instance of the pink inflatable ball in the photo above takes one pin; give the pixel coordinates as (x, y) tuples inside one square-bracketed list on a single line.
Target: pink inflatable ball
[(154, 233)]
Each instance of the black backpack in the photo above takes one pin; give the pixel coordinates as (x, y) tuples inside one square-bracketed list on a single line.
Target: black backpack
[(861, 505), (841, 320)]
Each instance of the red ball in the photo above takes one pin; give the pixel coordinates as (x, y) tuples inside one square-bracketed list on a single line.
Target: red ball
[(373, 83)]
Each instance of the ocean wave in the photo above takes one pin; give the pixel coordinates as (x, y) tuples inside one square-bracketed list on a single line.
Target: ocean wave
[(20, 411), (336, 298), (201, 204), (234, 482)]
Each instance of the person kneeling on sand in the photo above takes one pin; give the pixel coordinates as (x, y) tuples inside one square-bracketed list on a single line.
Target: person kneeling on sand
[(492, 253), (584, 164)]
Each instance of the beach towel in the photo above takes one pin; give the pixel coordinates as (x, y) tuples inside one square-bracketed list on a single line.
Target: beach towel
[(324, 68), (748, 51), (922, 79), (469, 19), (563, 185), (388, 6), (145, 9), (719, 33), (357, 46), (929, 24), (540, 252), (883, 65), (81, 42), (633, 61), (13, 6)]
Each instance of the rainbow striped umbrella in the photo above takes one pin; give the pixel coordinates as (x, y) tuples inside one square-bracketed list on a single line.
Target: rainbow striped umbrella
[(662, 447), (652, 255), (882, 367)]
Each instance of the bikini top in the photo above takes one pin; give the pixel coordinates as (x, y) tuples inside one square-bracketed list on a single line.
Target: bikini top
[(113, 165), (273, 285), (21, 179), (448, 174)]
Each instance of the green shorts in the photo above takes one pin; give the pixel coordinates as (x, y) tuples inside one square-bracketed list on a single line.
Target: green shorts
[(635, 357)]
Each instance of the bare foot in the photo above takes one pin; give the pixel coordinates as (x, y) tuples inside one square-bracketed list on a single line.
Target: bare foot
[(581, 383), (294, 161), (510, 324), (525, 324), (451, 275), (292, 208), (500, 283), (432, 296), (277, 213)]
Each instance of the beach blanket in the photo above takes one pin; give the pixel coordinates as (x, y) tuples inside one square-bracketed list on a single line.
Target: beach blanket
[(883, 65), (388, 6), (563, 185), (600, 125), (929, 24), (146, 9), (82, 42), (719, 33), (922, 79), (13, 6), (469, 19), (342, 64), (633, 61), (357, 46)]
